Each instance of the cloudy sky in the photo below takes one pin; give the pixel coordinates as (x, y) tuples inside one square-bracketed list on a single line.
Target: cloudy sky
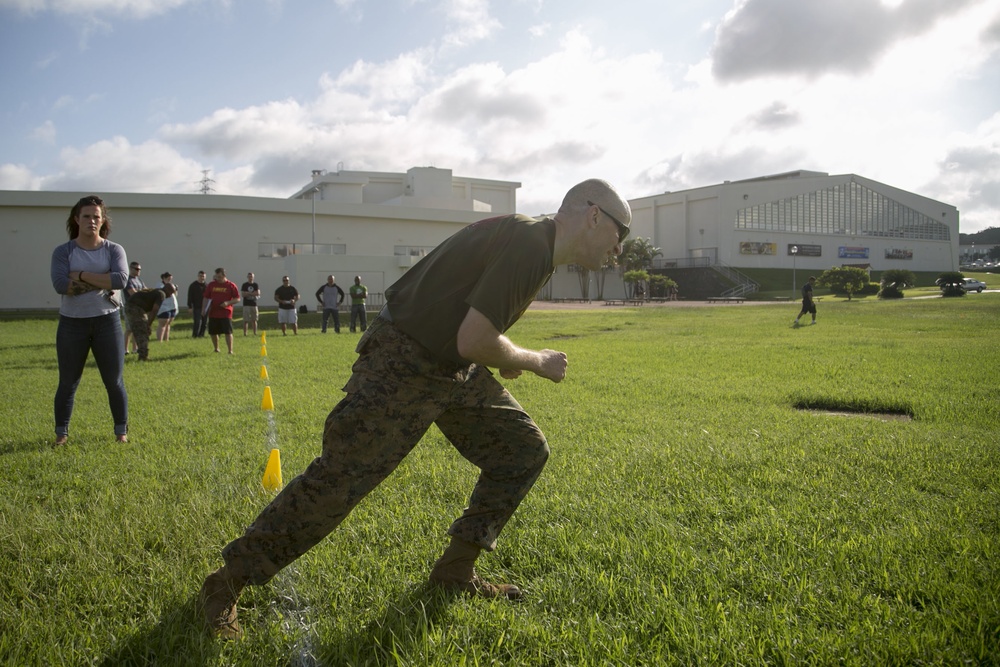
[(143, 95)]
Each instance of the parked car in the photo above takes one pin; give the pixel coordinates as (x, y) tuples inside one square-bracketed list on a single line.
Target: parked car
[(973, 285)]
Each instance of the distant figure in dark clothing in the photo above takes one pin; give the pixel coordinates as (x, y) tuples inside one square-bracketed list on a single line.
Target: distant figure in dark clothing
[(808, 305), (195, 301)]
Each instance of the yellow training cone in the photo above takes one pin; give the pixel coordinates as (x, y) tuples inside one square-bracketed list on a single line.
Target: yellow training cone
[(267, 403), (263, 338), (263, 372), (263, 350), (272, 473)]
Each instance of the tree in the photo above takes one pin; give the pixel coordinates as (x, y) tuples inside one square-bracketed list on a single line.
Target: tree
[(951, 283), (609, 264), (659, 285), (994, 253), (637, 255), (894, 281), (635, 278), (846, 279)]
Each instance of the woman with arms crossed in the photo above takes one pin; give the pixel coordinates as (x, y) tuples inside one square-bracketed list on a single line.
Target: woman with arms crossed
[(86, 271)]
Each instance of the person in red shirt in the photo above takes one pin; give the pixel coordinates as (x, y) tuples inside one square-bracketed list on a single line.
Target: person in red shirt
[(220, 295)]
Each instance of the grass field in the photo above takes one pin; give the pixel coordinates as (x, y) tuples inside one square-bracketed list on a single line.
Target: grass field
[(689, 514)]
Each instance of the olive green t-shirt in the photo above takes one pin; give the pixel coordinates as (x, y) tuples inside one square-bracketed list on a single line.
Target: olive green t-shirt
[(496, 266), (147, 299)]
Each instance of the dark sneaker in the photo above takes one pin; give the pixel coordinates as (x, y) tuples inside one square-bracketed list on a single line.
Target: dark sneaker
[(480, 588), (217, 601)]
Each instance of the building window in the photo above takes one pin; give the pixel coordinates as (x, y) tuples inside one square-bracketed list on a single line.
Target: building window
[(850, 209), (279, 250), (411, 250)]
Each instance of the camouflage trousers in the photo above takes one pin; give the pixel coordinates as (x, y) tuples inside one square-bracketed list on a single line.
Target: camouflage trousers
[(396, 391), (139, 323)]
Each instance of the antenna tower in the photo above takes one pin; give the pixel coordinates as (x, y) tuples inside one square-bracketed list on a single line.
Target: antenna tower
[(206, 182)]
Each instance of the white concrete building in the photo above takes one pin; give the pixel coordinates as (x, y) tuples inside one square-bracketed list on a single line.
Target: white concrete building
[(377, 225), (829, 220)]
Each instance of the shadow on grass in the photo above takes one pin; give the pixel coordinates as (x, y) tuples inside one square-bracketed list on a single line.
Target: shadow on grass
[(177, 638), (399, 633)]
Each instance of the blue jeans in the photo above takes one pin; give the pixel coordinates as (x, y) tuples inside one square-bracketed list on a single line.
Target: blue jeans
[(327, 312), (75, 338)]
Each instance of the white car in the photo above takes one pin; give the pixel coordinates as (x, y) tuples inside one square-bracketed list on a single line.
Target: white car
[(973, 285)]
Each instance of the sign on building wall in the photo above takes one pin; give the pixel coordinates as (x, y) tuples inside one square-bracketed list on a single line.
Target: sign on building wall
[(898, 253), (852, 252), (803, 250), (756, 248)]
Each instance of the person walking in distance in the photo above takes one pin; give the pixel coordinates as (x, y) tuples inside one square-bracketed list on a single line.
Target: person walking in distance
[(330, 296), (426, 360), (251, 292), (808, 305), (195, 301), (287, 296), (359, 295)]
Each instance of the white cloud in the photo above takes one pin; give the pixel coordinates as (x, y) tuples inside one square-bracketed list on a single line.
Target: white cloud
[(148, 167), (45, 133), (969, 175), (539, 30), (760, 37), (18, 177), (469, 21)]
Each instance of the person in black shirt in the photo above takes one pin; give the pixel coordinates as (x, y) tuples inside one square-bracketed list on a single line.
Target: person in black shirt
[(250, 292), (808, 305), (195, 301)]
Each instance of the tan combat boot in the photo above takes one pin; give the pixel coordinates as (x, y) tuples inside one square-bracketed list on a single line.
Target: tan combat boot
[(454, 570), (217, 601)]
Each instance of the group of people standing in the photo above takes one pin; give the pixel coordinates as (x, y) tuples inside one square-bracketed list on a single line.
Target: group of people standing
[(96, 281), (147, 304), (330, 296)]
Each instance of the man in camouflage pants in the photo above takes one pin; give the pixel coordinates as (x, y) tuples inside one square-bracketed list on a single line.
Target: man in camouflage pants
[(425, 360), (140, 311)]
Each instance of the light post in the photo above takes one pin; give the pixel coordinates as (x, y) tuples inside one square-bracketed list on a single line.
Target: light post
[(795, 251)]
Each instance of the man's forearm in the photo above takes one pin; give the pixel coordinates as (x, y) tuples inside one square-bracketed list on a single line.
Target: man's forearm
[(480, 342)]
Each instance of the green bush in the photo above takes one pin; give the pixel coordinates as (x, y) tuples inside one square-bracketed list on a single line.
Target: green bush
[(950, 283), (894, 281)]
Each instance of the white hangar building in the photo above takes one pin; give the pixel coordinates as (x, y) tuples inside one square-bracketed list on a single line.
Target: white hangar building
[(377, 225), (828, 220)]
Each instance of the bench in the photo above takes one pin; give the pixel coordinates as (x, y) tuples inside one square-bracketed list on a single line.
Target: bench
[(623, 302), (726, 299)]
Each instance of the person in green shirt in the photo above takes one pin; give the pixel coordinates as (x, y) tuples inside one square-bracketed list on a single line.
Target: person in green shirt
[(427, 359), (359, 293)]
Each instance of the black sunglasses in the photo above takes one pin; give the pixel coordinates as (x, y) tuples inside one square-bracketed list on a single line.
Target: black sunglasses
[(623, 229), (91, 200)]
